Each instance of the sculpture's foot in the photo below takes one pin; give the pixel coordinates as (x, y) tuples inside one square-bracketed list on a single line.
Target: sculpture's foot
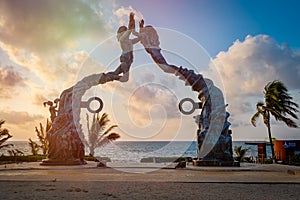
[(111, 76), (124, 78)]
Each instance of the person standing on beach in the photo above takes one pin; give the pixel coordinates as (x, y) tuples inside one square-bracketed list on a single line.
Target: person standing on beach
[(126, 44)]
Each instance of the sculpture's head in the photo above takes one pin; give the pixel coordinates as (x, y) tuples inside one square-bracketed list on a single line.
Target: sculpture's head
[(120, 31), (49, 103)]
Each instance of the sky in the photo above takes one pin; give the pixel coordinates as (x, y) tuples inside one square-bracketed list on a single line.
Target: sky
[(47, 46)]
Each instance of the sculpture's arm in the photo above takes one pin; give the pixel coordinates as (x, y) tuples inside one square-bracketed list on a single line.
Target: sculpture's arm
[(131, 24), (135, 40), (135, 33), (141, 23), (55, 106), (125, 35)]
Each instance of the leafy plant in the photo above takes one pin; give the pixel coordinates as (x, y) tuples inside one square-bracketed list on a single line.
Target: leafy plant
[(42, 136), (296, 159), (34, 147), (98, 135), (240, 152)]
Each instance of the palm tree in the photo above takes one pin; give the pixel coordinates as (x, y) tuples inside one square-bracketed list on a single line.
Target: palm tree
[(41, 134), (15, 152), (279, 104), (4, 133), (34, 147), (240, 153), (97, 135)]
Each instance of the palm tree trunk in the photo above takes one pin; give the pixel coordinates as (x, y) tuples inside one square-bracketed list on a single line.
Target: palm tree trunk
[(270, 137)]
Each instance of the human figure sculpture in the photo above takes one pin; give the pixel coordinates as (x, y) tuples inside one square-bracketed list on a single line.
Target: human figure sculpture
[(212, 115), (66, 138), (126, 44), (52, 108), (150, 40)]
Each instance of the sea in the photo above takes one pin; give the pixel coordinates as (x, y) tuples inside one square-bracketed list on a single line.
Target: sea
[(134, 151)]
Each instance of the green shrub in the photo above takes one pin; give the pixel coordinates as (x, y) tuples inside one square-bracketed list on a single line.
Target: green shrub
[(162, 159), (268, 161), (296, 159), (91, 158), (36, 158), (244, 159), (30, 158)]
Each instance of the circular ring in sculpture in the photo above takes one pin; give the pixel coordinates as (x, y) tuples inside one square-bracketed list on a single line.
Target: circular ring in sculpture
[(88, 103), (195, 106)]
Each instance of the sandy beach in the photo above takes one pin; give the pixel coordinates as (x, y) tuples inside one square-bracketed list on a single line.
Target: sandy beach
[(250, 181)]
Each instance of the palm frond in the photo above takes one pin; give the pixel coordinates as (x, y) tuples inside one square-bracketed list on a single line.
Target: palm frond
[(1, 122), (48, 125), (254, 118), (103, 120), (240, 152), (261, 111), (4, 133), (34, 147), (113, 136), (103, 142), (6, 145), (280, 103), (97, 134), (101, 136), (42, 136), (110, 129)]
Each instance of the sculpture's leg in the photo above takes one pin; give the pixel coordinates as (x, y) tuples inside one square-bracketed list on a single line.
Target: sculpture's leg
[(161, 61)]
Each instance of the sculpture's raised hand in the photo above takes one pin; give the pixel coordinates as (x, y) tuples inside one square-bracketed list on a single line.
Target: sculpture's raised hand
[(142, 23), (131, 24)]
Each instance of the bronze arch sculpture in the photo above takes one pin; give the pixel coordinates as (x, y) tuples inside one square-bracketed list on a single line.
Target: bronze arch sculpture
[(66, 137)]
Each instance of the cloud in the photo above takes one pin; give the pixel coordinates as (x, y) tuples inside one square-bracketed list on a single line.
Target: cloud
[(39, 99), (123, 14), (152, 98), (256, 61), (237, 122), (47, 25), (145, 99), (249, 65), (20, 123), (57, 67), (43, 36), (10, 79), (18, 117)]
